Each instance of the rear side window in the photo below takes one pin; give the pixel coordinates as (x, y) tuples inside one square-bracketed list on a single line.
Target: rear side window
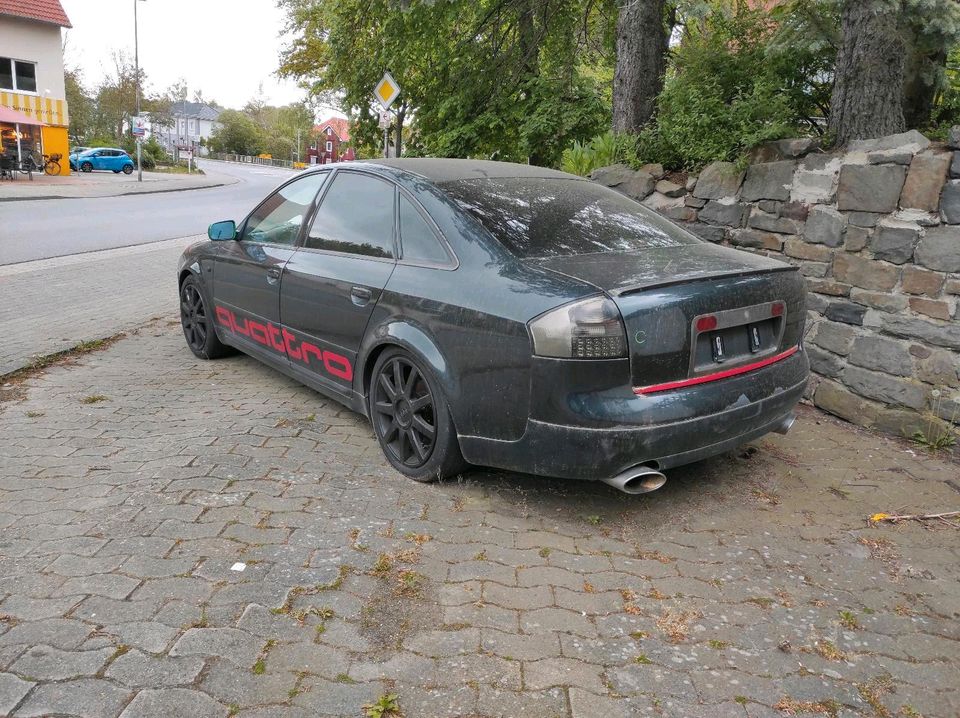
[(540, 217), (355, 216), (418, 241)]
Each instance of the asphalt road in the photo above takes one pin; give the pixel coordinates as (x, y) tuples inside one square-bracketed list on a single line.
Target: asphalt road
[(32, 230)]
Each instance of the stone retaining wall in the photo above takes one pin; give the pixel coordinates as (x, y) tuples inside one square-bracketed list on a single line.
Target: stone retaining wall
[(875, 229)]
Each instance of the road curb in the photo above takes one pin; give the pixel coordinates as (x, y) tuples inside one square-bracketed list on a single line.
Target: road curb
[(119, 194)]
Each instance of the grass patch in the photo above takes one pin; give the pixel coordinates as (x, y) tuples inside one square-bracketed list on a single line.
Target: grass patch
[(793, 707), (829, 651), (676, 624), (848, 620), (260, 667), (94, 399), (43, 361)]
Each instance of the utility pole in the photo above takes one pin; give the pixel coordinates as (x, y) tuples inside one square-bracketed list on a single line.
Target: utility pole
[(136, 63)]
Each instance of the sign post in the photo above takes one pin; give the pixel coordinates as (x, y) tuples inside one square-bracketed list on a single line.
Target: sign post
[(387, 90), (139, 130)]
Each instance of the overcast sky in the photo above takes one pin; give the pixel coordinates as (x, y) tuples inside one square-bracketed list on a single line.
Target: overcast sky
[(224, 47)]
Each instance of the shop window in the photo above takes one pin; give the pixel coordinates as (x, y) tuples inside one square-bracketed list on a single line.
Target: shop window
[(17, 75)]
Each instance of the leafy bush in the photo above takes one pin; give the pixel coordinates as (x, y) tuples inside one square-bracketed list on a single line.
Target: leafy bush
[(606, 149), (724, 94)]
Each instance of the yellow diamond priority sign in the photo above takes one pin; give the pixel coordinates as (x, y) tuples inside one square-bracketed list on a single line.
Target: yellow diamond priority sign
[(387, 90)]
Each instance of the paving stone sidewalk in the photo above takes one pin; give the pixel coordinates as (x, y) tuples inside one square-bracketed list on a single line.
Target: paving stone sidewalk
[(186, 538), (82, 297), (105, 184)]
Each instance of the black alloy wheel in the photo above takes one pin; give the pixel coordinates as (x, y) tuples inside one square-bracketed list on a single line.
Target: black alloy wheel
[(197, 324), (86, 167), (411, 419), (405, 412), (128, 169)]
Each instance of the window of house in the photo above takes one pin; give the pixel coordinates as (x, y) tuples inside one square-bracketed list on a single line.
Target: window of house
[(329, 131), (329, 146), (18, 75), (355, 216)]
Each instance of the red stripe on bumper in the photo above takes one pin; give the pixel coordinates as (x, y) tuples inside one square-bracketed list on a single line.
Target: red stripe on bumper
[(653, 388)]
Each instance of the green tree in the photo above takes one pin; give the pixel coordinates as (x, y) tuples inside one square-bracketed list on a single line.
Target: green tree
[(237, 134), (512, 79), (81, 106), (724, 93)]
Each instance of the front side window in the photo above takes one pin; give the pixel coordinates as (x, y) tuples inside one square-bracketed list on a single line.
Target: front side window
[(355, 216), (17, 75), (278, 219)]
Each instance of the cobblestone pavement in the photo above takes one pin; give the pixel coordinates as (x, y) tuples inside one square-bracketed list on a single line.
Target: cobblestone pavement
[(181, 538), (83, 297)]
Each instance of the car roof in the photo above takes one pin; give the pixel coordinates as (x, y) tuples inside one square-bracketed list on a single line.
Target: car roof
[(451, 170)]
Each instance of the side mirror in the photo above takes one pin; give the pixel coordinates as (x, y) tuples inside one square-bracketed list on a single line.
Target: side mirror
[(222, 230)]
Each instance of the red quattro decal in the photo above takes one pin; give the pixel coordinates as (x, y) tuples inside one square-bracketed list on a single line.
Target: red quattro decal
[(285, 342)]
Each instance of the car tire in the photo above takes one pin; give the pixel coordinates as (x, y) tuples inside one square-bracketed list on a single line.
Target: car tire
[(197, 322), (127, 169), (86, 167), (402, 416)]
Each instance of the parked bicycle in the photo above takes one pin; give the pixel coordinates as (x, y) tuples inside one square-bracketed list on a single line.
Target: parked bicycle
[(32, 161)]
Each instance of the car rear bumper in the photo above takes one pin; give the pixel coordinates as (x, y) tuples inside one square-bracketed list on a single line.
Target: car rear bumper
[(653, 433)]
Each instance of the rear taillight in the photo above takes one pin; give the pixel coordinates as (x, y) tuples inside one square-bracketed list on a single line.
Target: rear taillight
[(587, 329)]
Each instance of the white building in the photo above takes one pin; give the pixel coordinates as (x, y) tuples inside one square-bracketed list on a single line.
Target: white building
[(190, 123)]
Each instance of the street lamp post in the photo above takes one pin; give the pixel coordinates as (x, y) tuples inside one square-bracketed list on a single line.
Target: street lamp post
[(136, 63)]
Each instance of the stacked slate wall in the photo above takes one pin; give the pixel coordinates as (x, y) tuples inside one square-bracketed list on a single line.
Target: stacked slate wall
[(875, 229)]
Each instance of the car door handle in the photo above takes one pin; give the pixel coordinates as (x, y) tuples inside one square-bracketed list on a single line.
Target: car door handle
[(273, 275), (360, 296)]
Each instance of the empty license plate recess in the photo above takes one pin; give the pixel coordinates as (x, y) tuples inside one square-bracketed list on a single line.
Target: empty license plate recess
[(735, 336)]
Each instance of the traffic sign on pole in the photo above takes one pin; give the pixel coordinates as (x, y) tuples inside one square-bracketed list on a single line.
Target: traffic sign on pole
[(387, 90)]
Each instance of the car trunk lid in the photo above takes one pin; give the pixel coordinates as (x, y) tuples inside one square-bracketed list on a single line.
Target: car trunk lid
[(695, 312)]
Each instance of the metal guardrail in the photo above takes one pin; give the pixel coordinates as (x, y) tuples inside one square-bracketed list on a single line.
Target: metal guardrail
[(250, 160)]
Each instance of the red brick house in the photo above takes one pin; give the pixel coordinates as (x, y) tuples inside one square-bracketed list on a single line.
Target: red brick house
[(328, 137)]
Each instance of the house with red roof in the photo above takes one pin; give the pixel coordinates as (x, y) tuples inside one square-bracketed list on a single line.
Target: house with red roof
[(330, 142), (33, 104)]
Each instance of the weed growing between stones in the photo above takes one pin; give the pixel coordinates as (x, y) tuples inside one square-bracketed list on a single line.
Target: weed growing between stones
[(386, 705), (936, 435)]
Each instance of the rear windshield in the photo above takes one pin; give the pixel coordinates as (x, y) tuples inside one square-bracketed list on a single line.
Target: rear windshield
[(538, 217)]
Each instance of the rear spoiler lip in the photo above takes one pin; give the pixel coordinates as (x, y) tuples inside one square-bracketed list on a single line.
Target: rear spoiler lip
[(633, 289)]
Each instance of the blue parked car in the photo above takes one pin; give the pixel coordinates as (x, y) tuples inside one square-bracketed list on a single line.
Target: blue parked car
[(102, 158)]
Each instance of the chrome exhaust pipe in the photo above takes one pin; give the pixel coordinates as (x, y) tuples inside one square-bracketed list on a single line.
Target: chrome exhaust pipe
[(784, 426), (637, 480)]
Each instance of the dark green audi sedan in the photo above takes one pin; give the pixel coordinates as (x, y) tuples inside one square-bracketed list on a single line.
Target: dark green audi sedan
[(504, 315)]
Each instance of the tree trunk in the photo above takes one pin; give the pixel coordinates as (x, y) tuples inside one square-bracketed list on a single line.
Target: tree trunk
[(401, 113), (922, 72), (867, 96), (642, 43)]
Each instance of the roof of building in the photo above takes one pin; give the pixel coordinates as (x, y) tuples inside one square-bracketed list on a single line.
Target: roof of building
[(193, 110), (49, 11), (451, 170), (340, 125)]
